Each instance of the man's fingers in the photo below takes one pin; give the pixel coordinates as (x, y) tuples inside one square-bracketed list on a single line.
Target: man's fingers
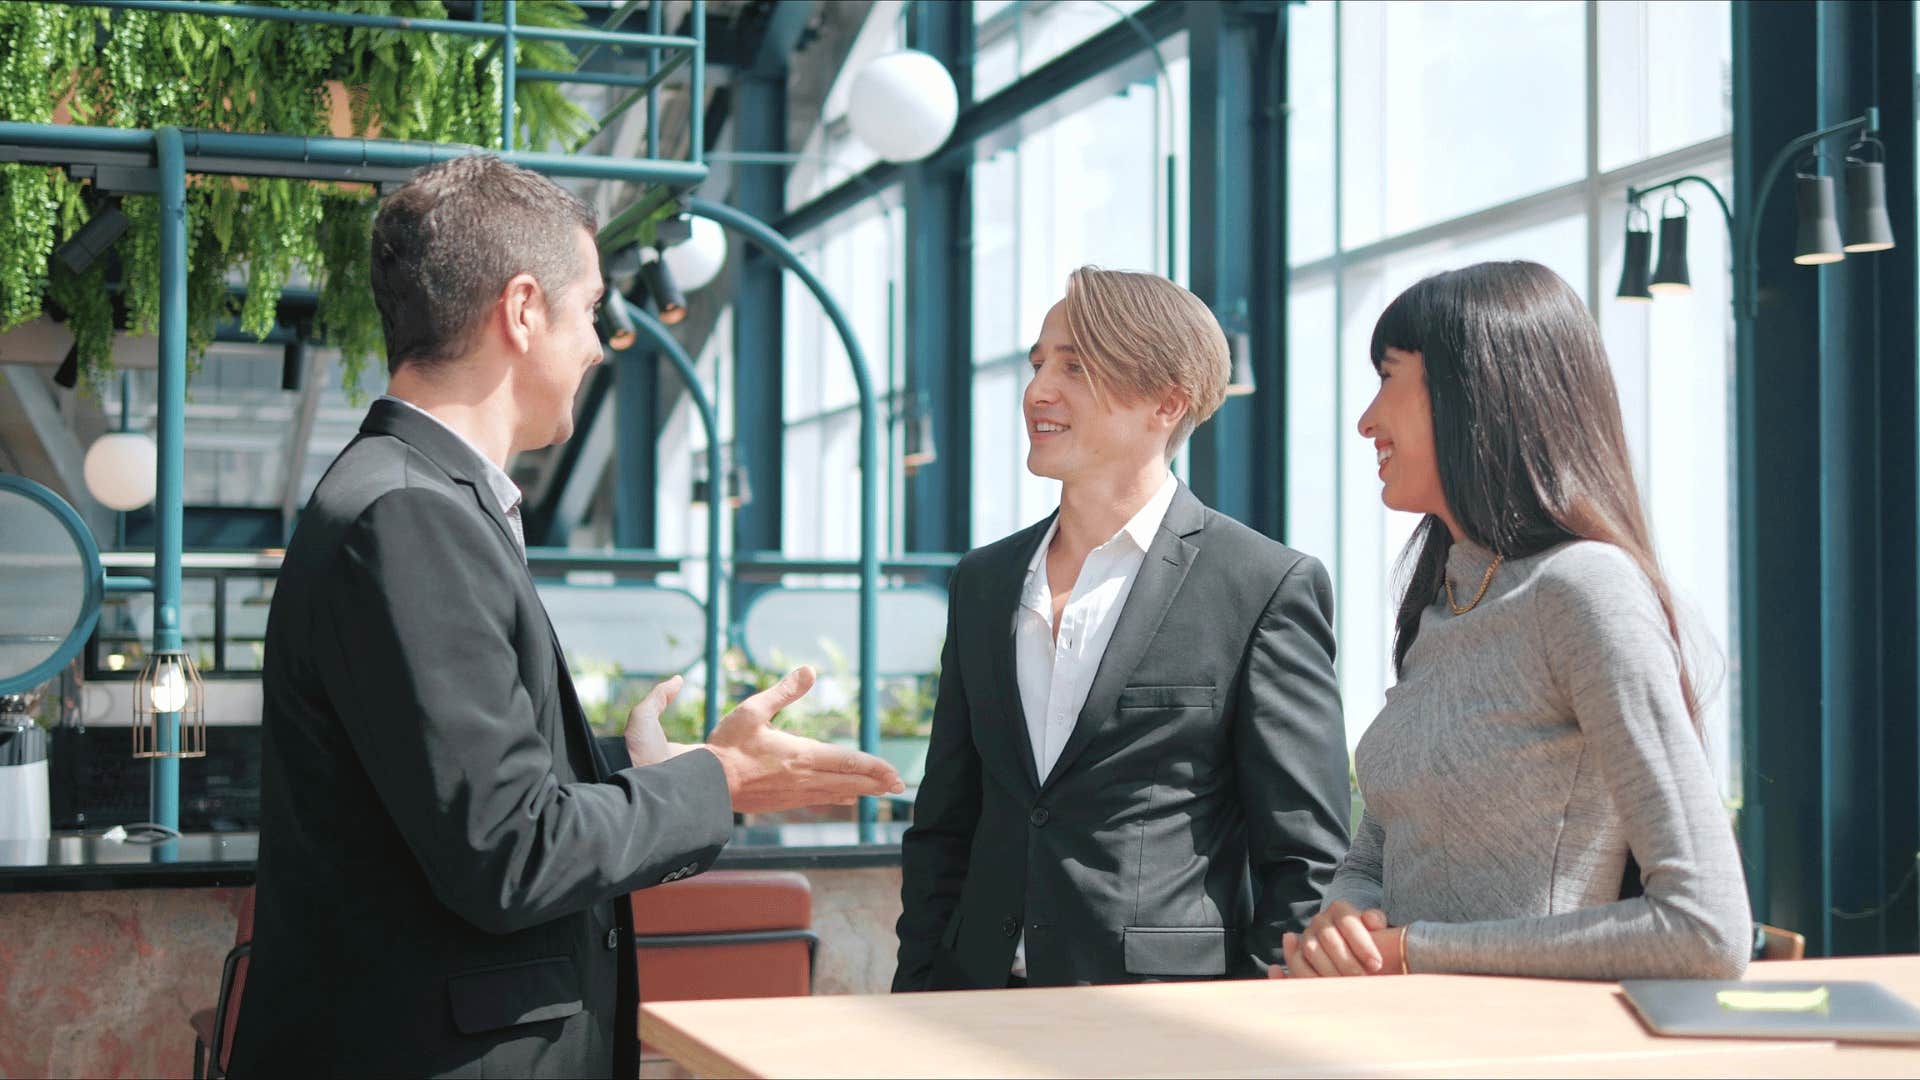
[(764, 705), (839, 761), (1374, 919), (1354, 935)]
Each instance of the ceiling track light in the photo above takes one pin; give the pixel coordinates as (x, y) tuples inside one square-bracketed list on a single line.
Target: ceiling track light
[(94, 239), (668, 300)]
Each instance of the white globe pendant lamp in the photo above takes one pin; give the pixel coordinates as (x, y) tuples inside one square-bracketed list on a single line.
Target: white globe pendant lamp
[(696, 261), (903, 105), (120, 470)]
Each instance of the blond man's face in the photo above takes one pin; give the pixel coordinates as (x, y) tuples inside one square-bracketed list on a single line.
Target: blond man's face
[(1074, 434)]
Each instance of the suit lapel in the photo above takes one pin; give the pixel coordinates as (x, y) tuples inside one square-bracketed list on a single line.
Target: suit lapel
[(1004, 586), (444, 449), (1162, 572)]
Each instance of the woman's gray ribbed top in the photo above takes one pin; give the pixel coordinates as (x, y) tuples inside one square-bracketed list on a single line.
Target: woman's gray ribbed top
[(1527, 746)]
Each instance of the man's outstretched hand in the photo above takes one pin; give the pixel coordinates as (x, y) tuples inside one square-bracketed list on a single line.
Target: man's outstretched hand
[(767, 769)]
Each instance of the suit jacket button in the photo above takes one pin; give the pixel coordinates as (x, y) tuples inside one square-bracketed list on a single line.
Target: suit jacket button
[(1010, 926), (613, 939), (1038, 817)]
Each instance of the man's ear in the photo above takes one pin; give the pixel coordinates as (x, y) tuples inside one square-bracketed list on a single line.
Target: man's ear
[(523, 311), (1171, 408)]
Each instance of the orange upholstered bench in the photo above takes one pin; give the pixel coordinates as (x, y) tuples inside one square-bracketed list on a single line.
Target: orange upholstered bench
[(726, 934)]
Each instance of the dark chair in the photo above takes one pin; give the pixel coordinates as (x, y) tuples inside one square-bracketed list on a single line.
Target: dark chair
[(213, 1028)]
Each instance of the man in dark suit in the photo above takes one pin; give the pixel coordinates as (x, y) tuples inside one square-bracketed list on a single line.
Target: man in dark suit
[(1138, 769), (444, 857)]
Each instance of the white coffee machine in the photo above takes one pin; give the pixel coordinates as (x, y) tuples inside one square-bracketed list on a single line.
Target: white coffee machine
[(24, 811)]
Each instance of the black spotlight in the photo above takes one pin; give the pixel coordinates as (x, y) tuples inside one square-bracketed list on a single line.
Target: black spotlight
[(69, 371), (622, 264), (667, 297), (618, 323), (293, 363), (100, 233), (1670, 273), (1636, 257), (1868, 227), (739, 489), (1817, 240)]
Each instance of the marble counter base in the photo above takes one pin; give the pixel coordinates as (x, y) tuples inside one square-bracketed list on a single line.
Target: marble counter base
[(102, 983)]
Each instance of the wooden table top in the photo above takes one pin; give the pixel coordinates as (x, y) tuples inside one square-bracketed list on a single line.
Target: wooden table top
[(1426, 1025)]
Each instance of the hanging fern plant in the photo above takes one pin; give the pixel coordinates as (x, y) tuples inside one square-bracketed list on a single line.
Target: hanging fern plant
[(136, 69)]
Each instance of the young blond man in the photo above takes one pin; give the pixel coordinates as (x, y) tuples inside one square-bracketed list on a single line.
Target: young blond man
[(1138, 767)]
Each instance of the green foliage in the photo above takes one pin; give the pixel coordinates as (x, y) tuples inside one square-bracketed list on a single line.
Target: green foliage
[(136, 69)]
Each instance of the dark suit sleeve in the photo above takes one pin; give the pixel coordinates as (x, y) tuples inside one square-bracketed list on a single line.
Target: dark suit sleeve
[(935, 852), (414, 641), (1291, 749)]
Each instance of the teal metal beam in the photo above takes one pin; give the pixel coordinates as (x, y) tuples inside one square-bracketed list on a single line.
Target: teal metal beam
[(332, 152), (776, 245), (595, 78), (1238, 260), (654, 70), (508, 59), (170, 430), (665, 342), (939, 305), (697, 93)]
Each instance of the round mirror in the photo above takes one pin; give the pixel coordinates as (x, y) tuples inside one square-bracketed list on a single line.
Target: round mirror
[(50, 584)]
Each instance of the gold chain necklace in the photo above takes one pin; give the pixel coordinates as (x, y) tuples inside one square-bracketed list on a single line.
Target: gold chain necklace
[(1484, 582)]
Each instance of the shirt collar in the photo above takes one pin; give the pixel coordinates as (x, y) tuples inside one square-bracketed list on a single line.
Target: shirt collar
[(505, 491), (1140, 528)]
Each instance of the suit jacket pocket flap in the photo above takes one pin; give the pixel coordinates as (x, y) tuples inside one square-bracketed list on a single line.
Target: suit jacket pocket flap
[(1166, 697), (523, 993), (1175, 950)]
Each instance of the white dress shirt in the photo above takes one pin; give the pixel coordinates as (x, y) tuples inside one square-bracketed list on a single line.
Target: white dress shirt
[(1055, 673), (505, 491)]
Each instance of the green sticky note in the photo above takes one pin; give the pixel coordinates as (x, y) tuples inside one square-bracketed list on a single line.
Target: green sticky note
[(1814, 1000)]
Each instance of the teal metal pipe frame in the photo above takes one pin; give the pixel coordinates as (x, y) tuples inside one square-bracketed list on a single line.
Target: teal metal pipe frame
[(644, 322), (504, 35), (507, 80), (777, 245), (328, 151), (170, 149), (313, 17)]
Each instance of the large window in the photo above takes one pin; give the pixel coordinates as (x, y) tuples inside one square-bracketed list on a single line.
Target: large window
[(858, 256), (1014, 38), (1412, 150)]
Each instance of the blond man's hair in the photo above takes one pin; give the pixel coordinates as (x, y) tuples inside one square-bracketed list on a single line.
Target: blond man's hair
[(1140, 335)]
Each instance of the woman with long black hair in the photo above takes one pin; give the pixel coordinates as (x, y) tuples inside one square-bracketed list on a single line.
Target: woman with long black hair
[(1538, 798)]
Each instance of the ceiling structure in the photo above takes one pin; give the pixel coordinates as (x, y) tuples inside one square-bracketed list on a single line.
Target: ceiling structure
[(265, 419)]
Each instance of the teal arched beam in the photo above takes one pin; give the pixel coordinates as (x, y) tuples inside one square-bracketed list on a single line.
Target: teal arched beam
[(644, 322), (90, 570), (776, 245)]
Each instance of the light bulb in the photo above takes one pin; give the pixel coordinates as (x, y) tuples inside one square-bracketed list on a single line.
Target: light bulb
[(169, 692)]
